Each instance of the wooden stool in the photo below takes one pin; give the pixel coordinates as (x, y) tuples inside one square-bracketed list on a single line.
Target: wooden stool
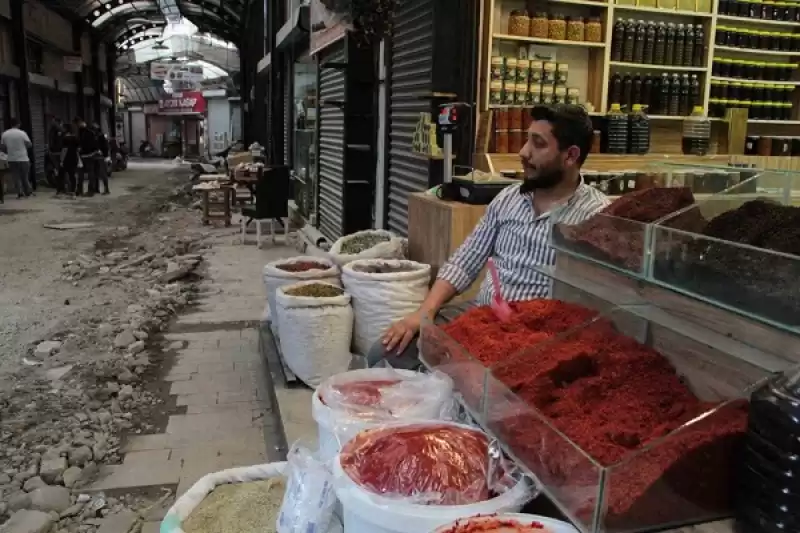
[(212, 207)]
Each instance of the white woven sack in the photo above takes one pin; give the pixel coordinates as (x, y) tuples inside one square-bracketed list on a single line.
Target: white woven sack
[(381, 299), (187, 503), (316, 334), (394, 248), (274, 277)]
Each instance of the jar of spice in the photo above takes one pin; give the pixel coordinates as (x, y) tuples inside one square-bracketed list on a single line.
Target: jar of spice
[(536, 68), (501, 115), (562, 73), (548, 92), (573, 96), (576, 29), (508, 93), (515, 118), (539, 25), (498, 68), (496, 93), (557, 27), (549, 72), (501, 141), (520, 94), (511, 70), (519, 23), (560, 95), (594, 30), (514, 141), (527, 119), (523, 70)]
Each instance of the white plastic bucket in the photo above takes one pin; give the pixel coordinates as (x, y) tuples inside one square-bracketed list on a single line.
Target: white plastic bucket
[(337, 426), (366, 512), (551, 524)]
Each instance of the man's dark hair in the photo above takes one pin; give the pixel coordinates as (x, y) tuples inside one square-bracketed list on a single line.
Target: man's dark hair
[(571, 126), (14, 122)]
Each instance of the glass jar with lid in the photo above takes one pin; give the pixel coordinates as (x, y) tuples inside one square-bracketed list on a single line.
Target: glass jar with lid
[(519, 23), (496, 92), (576, 29), (594, 30), (539, 25), (557, 27), (511, 70)]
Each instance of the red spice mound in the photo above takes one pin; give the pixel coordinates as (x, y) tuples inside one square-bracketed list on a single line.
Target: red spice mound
[(363, 393), (619, 239), (302, 266), (492, 524), (447, 463), (612, 396)]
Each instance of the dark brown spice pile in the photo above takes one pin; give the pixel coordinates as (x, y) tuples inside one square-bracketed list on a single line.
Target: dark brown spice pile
[(384, 268), (315, 290), (302, 266)]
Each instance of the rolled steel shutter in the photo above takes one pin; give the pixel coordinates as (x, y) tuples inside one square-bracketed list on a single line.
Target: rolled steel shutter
[(409, 78), (39, 137), (331, 145)]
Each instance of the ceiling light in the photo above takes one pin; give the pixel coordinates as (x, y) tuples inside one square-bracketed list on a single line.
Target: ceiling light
[(96, 13)]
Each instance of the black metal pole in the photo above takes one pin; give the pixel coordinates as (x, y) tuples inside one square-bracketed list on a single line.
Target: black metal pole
[(78, 49), (20, 47), (112, 89), (97, 80)]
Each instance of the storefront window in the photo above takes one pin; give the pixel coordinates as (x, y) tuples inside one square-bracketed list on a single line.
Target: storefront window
[(304, 164)]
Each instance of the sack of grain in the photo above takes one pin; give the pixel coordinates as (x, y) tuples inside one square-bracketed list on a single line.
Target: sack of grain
[(300, 268), (367, 244), (316, 327), (382, 292)]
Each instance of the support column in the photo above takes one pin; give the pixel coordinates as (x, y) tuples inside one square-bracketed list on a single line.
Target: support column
[(244, 91), (20, 47), (257, 45), (111, 59), (78, 48), (97, 80)]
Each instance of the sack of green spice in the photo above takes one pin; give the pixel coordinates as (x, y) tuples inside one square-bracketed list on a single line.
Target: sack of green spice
[(383, 291), (315, 321), (367, 244)]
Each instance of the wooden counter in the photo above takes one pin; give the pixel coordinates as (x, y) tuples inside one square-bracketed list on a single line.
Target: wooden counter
[(436, 228)]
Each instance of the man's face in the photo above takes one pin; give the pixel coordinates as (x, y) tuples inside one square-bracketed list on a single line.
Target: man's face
[(543, 162)]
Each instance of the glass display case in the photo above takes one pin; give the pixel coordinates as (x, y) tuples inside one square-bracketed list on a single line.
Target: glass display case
[(304, 124), (743, 253), (626, 425)]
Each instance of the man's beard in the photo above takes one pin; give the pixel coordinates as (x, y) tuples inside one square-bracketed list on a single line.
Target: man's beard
[(545, 179)]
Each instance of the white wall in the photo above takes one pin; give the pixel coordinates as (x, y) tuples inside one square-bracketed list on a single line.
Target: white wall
[(138, 130), (236, 120), (218, 125)]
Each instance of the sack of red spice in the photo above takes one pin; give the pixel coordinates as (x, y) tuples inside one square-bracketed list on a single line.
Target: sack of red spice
[(368, 244), (287, 271), (383, 292)]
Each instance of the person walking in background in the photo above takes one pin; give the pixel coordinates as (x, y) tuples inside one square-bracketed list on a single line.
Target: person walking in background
[(87, 150), (55, 173), (70, 158), (101, 160), (15, 143)]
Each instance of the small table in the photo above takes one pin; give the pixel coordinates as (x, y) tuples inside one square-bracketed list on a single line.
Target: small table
[(213, 177), (212, 206)]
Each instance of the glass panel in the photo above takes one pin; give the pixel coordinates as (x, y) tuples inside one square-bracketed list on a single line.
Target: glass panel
[(304, 125)]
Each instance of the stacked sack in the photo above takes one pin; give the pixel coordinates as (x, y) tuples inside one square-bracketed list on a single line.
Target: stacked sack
[(367, 244), (295, 269)]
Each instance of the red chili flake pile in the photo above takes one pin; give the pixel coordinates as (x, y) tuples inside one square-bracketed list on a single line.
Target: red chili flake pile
[(611, 396), (488, 524), (621, 239), (362, 393), (446, 463), (302, 266)]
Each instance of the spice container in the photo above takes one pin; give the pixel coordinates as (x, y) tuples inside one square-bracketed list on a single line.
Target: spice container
[(496, 93), (508, 93), (549, 72), (498, 68), (523, 70), (515, 118), (573, 96), (511, 70), (536, 67), (514, 141), (576, 29), (562, 73), (501, 118), (548, 92), (594, 30), (501, 141), (560, 95), (519, 23), (539, 25), (520, 94), (557, 27)]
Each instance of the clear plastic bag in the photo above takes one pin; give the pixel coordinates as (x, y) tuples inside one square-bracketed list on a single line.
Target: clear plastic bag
[(428, 463), (309, 499)]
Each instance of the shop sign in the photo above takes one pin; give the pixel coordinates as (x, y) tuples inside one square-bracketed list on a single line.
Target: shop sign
[(327, 27), (172, 71), (73, 63), (150, 109), (187, 102)]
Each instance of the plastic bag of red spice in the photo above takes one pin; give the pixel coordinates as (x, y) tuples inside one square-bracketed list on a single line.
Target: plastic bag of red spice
[(427, 463)]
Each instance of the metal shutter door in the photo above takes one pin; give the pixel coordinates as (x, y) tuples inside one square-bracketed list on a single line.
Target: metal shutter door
[(331, 146), (409, 78), (288, 114), (39, 131)]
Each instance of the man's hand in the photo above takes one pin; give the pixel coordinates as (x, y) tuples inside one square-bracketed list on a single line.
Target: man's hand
[(400, 334)]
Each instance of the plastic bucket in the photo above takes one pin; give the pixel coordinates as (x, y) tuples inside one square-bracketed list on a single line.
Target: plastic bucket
[(484, 523), (337, 426), (366, 512)]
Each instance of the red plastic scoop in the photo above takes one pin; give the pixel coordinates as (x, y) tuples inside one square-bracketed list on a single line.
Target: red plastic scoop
[(500, 307)]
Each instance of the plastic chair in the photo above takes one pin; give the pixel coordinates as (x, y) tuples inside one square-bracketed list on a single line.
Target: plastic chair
[(272, 202)]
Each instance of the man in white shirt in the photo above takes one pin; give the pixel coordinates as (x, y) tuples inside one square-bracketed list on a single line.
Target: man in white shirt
[(16, 143)]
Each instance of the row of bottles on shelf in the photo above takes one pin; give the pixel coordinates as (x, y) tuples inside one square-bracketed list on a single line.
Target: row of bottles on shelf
[(659, 43), (673, 95), (630, 133)]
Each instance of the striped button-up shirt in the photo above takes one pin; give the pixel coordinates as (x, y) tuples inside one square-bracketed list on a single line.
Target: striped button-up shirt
[(518, 240)]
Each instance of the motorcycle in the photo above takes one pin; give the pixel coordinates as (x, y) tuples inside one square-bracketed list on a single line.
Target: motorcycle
[(146, 149)]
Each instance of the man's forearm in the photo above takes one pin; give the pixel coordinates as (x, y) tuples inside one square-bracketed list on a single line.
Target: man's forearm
[(441, 293)]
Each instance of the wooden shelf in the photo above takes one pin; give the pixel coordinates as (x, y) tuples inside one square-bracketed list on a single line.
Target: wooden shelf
[(739, 80), (783, 23), (761, 121), (660, 11), (756, 51), (551, 42), (663, 68), (581, 3)]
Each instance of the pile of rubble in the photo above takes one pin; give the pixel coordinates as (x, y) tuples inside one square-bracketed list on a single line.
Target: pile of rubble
[(66, 416)]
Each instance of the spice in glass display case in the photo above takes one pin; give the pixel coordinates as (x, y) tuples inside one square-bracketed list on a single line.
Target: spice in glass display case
[(519, 23), (498, 68), (557, 27), (594, 30), (576, 29), (539, 25)]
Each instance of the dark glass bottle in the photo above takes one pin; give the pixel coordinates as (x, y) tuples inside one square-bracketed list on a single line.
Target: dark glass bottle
[(615, 92), (627, 92), (698, 59), (674, 96), (647, 93), (638, 131), (695, 98), (661, 43), (685, 91), (641, 38), (650, 43), (630, 40), (688, 46), (618, 40), (636, 97), (663, 97), (669, 50), (680, 42)]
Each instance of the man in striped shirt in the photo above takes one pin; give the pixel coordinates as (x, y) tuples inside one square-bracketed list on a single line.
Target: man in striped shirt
[(515, 229)]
